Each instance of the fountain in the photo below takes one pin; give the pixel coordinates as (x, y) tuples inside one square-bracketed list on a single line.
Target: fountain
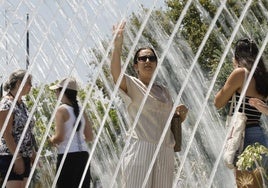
[(74, 38)]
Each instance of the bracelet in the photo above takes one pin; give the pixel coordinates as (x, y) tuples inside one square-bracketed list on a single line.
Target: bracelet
[(18, 157)]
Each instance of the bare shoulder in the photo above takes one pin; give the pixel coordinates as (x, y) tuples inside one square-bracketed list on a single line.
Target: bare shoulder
[(237, 77), (238, 73), (62, 112), (62, 109)]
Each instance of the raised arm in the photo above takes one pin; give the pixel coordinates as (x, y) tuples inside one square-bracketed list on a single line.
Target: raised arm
[(116, 55)]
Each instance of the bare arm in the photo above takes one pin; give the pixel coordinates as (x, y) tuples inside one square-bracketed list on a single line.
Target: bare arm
[(10, 141), (116, 55), (88, 130), (8, 132), (234, 82), (61, 117)]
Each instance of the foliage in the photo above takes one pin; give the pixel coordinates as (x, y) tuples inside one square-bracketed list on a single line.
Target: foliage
[(194, 28), (103, 88), (42, 113), (198, 18), (252, 155), (252, 166)]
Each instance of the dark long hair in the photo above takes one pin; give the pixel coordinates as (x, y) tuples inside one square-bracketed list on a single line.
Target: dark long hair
[(246, 52), (72, 96), (1, 91)]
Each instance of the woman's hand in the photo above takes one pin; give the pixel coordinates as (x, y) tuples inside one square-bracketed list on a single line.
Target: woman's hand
[(118, 30), (19, 166), (116, 55), (182, 111), (51, 142), (259, 104)]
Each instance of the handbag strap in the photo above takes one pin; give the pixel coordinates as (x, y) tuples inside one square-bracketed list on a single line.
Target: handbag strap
[(233, 102)]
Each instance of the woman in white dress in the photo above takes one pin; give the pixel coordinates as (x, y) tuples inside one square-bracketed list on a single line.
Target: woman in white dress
[(151, 122)]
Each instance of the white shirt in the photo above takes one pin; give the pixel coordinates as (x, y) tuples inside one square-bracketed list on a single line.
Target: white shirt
[(78, 143)]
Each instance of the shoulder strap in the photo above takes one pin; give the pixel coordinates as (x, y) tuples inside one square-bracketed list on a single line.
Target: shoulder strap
[(233, 102), (244, 83)]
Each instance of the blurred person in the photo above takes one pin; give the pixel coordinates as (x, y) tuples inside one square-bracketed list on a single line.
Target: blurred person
[(245, 54), (12, 134), (78, 153)]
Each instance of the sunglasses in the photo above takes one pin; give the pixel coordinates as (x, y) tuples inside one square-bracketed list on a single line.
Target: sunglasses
[(151, 58)]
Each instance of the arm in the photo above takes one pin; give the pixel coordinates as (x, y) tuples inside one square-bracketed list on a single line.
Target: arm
[(116, 56), (61, 117), (88, 130), (234, 82), (10, 142), (35, 148), (259, 104)]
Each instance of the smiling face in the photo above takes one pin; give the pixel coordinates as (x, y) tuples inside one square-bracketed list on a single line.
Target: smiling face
[(146, 64)]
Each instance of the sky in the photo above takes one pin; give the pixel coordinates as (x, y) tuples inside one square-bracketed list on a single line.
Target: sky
[(61, 34)]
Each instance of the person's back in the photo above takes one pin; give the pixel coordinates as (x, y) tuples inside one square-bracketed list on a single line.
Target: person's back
[(253, 115)]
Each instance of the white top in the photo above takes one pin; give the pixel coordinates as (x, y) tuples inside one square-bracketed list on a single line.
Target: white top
[(154, 114), (78, 143)]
